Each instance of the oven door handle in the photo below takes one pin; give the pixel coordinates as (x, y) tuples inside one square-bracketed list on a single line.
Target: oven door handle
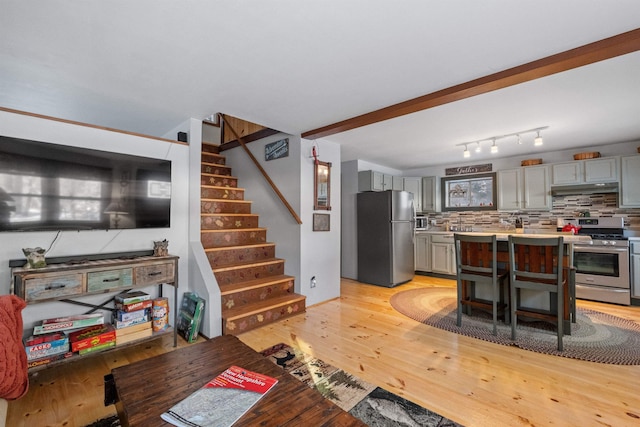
[(599, 249)]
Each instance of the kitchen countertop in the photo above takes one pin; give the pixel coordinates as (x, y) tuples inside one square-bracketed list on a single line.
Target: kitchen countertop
[(504, 235)]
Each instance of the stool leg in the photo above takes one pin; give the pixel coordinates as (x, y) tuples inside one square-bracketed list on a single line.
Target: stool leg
[(459, 314)]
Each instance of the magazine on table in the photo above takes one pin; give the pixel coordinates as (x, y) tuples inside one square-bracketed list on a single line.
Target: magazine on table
[(222, 401)]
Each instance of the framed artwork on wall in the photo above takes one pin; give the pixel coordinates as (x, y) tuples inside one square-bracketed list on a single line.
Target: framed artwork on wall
[(321, 222)]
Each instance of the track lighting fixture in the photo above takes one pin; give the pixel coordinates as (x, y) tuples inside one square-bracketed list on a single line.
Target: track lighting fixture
[(538, 140), (494, 148)]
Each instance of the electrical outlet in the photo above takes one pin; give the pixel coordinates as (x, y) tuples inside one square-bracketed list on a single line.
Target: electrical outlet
[(313, 282)]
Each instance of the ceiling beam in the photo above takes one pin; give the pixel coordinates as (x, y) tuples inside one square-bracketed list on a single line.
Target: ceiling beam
[(601, 50)]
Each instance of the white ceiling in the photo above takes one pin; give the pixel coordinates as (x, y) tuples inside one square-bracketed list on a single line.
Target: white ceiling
[(147, 66)]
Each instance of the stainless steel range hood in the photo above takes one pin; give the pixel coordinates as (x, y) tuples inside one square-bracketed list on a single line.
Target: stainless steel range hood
[(578, 189)]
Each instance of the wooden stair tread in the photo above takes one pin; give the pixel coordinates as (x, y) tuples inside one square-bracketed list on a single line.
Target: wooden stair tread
[(226, 200), (217, 187), (227, 214), (254, 283), (257, 307), (233, 230), (218, 175), (218, 165), (237, 265), (236, 247)]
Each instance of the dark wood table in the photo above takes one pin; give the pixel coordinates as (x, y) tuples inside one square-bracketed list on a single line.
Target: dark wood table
[(147, 388)]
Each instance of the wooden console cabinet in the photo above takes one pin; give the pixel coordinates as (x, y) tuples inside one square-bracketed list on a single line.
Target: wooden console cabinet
[(79, 277)]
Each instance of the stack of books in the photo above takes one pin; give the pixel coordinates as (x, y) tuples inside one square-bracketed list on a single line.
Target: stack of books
[(50, 340), (92, 339), (132, 316)]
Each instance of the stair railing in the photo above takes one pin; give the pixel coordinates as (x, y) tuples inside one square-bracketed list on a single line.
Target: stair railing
[(261, 169)]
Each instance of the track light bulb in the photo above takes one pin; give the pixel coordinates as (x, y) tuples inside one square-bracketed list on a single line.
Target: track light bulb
[(466, 152), (494, 147), (478, 149), (538, 140)]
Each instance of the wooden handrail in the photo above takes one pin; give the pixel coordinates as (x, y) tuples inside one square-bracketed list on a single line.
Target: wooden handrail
[(259, 166)]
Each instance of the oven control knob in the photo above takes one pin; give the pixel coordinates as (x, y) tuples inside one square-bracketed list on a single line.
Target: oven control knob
[(612, 243), (605, 242)]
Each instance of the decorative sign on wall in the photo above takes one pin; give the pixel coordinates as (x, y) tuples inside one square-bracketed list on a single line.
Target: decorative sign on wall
[(463, 170), (276, 150)]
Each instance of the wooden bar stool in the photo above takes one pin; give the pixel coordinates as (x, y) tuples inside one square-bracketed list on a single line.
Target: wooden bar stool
[(476, 263), (535, 263)]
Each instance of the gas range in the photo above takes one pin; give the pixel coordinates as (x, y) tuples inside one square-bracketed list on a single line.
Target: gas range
[(605, 231), (602, 265)]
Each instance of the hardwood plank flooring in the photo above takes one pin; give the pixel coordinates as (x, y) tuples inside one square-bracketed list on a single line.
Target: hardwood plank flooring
[(473, 382)]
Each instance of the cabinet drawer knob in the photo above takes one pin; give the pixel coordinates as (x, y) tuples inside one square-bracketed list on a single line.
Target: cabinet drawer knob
[(55, 286), (113, 279), (155, 273)]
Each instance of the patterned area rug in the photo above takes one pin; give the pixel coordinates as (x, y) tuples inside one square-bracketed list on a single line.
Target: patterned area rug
[(595, 337), (373, 405)]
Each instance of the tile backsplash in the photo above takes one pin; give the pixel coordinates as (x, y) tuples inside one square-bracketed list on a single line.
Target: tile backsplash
[(563, 207)]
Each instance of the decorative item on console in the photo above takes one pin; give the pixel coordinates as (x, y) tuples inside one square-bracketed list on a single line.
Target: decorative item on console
[(35, 257), (161, 248)]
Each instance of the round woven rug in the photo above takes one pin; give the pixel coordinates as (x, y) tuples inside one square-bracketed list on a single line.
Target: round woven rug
[(596, 337)]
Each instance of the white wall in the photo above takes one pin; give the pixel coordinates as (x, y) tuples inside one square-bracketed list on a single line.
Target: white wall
[(307, 253), (349, 240), (96, 242)]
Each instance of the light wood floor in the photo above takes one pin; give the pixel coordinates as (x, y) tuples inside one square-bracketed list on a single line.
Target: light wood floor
[(473, 382)]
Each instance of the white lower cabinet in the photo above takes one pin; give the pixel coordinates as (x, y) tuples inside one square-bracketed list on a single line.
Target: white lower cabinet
[(635, 267), (443, 258), (423, 252)]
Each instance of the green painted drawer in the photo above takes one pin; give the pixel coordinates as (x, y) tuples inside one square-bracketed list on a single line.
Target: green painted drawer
[(109, 279)]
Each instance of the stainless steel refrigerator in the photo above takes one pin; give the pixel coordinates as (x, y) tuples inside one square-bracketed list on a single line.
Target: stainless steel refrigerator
[(385, 237)]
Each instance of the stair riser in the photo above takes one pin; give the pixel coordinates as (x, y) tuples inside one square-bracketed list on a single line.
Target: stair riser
[(216, 169), (233, 238), (243, 298), (207, 206), (213, 158), (210, 148), (222, 193), (242, 274), (238, 255), (220, 181), (221, 222), (238, 326)]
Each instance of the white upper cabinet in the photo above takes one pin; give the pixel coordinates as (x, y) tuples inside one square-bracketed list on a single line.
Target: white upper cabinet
[(567, 173), (510, 189), (630, 182), (536, 187), (601, 170), (397, 183), (414, 186), (590, 171), (525, 188), (374, 181), (430, 194)]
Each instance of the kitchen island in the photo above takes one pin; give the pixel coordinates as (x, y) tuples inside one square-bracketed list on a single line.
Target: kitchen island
[(435, 253)]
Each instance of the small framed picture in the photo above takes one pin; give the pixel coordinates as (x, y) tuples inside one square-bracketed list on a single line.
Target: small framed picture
[(321, 222)]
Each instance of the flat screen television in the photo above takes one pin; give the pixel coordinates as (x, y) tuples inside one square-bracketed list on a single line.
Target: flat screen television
[(46, 186)]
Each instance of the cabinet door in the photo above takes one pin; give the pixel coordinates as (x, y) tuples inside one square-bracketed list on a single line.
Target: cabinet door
[(635, 276), (441, 258), (430, 194), (536, 187), (387, 182), (567, 173), (370, 181), (509, 189), (629, 186), (398, 183), (414, 186), (423, 253), (601, 170)]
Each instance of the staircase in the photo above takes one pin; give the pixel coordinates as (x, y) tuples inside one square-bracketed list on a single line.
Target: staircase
[(254, 289)]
